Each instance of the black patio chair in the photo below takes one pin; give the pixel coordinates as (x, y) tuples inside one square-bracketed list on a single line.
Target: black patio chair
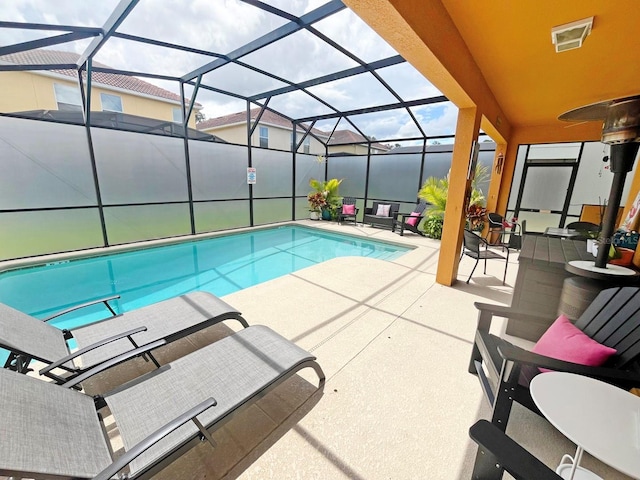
[(499, 227), (411, 221), (585, 230), (472, 248), (342, 216), (505, 370)]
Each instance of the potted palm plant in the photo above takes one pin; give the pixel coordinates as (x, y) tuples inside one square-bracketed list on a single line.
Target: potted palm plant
[(328, 190)]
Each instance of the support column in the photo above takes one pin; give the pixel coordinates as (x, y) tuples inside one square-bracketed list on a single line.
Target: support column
[(459, 189)]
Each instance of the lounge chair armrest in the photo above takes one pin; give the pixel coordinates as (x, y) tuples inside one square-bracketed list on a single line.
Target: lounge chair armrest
[(509, 455), (88, 348), (525, 357), (112, 362), (154, 438), (88, 304), (487, 311)]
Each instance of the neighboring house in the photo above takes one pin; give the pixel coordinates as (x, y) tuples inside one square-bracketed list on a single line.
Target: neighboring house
[(276, 132), (58, 89), (340, 137)]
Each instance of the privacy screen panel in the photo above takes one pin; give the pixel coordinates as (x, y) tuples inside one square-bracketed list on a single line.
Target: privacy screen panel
[(218, 171), (44, 165), (138, 168)]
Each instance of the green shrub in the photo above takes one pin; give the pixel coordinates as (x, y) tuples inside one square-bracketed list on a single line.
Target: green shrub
[(432, 225)]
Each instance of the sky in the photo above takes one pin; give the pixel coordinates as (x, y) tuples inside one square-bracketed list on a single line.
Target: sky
[(221, 26)]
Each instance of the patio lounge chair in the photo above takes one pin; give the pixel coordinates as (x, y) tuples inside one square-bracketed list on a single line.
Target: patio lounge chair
[(159, 416), (505, 370), (374, 216), (411, 221), (28, 338)]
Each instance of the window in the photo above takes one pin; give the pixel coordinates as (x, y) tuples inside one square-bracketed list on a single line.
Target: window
[(177, 114), (68, 97), (111, 103), (307, 144), (264, 137)]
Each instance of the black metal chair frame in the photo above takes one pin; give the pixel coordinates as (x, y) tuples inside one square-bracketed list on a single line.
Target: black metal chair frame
[(345, 216), (471, 248), (497, 228), (420, 207)]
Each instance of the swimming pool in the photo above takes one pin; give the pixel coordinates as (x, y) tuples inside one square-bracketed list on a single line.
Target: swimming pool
[(219, 265)]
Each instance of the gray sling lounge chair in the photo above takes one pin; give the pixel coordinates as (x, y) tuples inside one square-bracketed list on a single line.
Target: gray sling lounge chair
[(159, 416), (29, 338)]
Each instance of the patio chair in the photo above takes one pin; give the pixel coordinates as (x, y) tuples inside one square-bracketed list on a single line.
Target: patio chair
[(472, 248), (498, 452), (160, 416), (498, 226), (505, 370), (28, 338), (411, 221), (585, 230), (376, 216), (348, 210)]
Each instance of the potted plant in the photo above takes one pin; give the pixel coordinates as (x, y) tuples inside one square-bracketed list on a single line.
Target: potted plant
[(329, 192), (317, 202)]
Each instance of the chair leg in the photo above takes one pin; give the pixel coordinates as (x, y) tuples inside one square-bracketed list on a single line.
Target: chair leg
[(504, 394), (473, 270), (486, 466)]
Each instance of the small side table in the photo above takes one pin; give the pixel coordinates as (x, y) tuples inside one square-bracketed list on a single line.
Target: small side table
[(599, 418)]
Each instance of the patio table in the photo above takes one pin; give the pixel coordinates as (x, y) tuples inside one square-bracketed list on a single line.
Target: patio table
[(599, 418)]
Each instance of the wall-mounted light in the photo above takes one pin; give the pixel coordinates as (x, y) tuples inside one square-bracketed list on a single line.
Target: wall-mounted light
[(571, 35)]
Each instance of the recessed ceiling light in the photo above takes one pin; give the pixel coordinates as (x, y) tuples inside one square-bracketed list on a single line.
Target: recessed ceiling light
[(571, 35)]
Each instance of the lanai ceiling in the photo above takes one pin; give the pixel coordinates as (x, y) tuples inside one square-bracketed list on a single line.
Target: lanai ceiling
[(510, 42)]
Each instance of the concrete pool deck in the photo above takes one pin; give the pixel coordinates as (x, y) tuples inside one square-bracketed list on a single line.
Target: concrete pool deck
[(398, 401)]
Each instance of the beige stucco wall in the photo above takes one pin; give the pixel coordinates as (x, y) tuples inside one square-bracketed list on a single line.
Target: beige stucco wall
[(31, 91), (279, 137)]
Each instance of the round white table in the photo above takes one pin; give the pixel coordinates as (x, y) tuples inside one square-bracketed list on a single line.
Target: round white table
[(599, 418)]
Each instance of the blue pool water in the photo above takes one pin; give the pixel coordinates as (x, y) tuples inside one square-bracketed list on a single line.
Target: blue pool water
[(219, 265)]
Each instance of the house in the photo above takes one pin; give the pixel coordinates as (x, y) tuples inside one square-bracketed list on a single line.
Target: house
[(276, 132), (58, 89)]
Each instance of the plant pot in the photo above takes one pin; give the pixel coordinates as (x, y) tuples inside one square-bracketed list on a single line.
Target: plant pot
[(590, 243), (326, 214), (313, 215)]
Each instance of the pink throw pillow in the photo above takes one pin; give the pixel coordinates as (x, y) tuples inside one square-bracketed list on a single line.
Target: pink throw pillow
[(564, 341), (413, 219), (349, 209)]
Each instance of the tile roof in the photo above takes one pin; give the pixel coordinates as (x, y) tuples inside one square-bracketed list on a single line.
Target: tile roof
[(125, 82), (339, 136), (240, 117)]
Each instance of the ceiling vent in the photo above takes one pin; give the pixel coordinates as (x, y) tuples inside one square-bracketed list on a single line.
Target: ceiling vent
[(571, 35)]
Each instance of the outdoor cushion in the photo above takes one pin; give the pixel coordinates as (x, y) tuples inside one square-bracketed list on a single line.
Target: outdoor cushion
[(413, 219), (349, 209), (564, 341), (383, 210)]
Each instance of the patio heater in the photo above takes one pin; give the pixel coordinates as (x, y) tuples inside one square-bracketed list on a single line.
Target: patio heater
[(621, 130)]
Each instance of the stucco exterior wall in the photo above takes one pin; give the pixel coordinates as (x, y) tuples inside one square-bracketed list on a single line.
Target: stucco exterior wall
[(32, 91)]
